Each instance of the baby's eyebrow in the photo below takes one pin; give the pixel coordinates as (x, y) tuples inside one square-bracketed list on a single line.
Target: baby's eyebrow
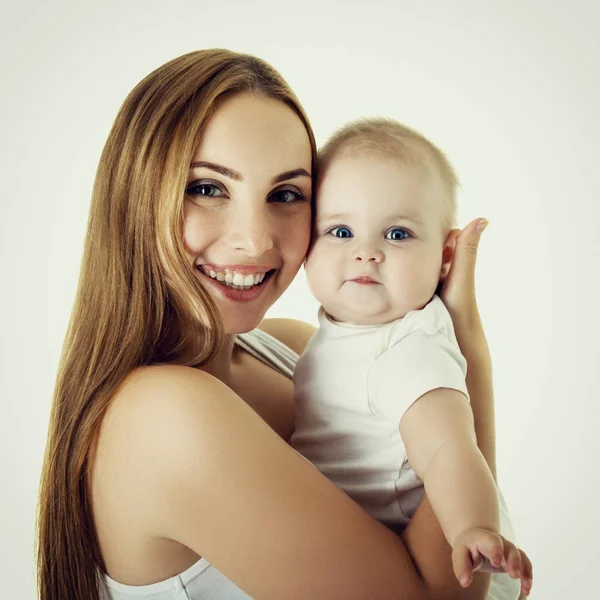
[(237, 176), (407, 217), (334, 217), (393, 219)]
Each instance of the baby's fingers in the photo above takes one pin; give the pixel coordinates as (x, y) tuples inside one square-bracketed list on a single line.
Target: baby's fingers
[(462, 565), (491, 546)]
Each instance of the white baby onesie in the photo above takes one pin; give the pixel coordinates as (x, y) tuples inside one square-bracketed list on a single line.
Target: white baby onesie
[(352, 386)]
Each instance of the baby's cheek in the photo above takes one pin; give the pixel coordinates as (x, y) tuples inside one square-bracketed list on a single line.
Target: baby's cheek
[(321, 291), (321, 273), (311, 263), (424, 277)]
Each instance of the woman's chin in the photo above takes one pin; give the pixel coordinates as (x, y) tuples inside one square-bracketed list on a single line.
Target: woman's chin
[(244, 318), (241, 324)]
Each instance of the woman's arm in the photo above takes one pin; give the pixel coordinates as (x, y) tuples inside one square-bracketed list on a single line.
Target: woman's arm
[(205, 470), (458, 295), (474, 348)]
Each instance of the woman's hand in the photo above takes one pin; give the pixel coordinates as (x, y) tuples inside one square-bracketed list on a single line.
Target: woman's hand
[(458, 288)]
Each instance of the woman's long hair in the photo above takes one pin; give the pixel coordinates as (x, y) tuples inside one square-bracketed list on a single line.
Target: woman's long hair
[(138, 301)]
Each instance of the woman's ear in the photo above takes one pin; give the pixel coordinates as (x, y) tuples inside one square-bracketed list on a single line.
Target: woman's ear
[(448, 253)]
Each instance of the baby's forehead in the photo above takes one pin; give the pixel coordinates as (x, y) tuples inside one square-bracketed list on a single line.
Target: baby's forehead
[(358, 181), (359, 162), (373, 170)]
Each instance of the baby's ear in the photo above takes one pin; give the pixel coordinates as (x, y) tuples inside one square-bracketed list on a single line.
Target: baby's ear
[(448, 253)]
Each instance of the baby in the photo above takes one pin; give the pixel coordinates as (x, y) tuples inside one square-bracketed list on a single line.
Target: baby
[(383, 408)]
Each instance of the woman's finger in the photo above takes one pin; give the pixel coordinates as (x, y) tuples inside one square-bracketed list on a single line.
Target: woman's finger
[(459, 285), (526, 574), (513, 560)]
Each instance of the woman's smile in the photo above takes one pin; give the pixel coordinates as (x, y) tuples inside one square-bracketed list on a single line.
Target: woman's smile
[(235, 284)]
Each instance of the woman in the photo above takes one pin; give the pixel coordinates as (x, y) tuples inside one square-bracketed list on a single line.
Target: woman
[(166, 463)]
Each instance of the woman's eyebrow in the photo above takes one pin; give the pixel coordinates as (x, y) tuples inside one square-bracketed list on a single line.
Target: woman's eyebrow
[(218, 169), (231, 174), (291, 175)]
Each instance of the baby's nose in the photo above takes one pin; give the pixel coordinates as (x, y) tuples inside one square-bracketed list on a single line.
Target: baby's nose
[(368, 254)]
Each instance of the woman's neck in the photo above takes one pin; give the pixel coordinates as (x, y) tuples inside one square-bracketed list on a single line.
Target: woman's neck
[(220, 366)]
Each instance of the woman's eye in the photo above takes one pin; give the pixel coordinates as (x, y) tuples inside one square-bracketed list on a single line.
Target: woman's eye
[(396, 234), (341, 232), (205, 189), (287, 196)]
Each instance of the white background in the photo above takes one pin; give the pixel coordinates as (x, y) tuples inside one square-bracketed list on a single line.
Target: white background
[(511, 91)]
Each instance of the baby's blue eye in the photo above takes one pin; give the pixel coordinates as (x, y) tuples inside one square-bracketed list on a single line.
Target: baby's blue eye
[(341, 232), (396, 234)]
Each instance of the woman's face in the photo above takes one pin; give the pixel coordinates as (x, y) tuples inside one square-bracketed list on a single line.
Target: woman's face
[(248, 206)]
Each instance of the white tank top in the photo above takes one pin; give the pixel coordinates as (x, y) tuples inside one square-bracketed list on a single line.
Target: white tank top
[(202, 581)]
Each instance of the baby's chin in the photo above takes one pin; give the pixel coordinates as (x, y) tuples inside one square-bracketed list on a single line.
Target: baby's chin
[(363, 317)]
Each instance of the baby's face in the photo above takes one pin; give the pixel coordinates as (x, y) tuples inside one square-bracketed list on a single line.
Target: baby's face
[(378, 240)]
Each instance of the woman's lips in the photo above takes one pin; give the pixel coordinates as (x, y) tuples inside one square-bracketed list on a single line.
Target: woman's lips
[(239, 295)]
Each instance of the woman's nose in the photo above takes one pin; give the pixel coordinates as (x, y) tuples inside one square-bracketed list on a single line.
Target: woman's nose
[(368, 253), (249, 231)]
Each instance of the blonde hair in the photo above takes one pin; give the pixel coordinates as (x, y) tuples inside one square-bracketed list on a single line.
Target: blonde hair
[(138, 300), (390, 139)]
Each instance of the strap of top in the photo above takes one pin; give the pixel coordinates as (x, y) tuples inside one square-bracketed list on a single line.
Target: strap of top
[(269, 350)]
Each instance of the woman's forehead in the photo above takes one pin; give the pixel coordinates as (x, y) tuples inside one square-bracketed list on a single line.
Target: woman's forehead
[(251, 131)]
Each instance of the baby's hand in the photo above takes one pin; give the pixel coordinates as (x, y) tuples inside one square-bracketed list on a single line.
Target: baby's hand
[(485, 550)]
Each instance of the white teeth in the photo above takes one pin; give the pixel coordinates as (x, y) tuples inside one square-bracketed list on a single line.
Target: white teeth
[(235, 280)]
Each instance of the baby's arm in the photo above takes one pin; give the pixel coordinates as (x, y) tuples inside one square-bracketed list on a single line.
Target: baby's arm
[(441, 446), (439, 436)]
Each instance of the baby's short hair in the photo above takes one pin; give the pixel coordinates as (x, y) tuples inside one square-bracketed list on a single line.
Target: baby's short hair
[(390, 139)]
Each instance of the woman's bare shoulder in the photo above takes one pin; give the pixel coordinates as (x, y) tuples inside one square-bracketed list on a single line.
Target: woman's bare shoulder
[(291, 332), (162, 423), (152, 409), (150, 378), (163, 394)]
